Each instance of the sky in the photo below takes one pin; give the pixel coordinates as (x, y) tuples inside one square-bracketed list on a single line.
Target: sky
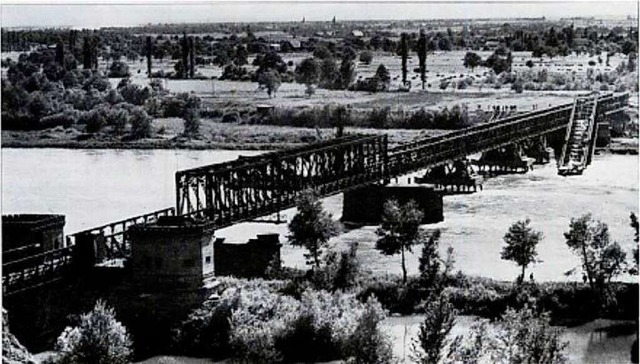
[(129, 12)]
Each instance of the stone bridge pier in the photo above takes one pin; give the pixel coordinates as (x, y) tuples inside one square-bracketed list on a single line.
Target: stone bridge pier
[(364, 205)]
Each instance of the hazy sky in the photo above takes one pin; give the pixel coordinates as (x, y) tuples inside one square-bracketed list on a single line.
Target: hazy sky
[(126, 13)]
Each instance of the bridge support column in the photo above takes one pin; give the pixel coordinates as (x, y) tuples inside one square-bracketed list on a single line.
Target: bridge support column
[(365, 205), (171, 273)]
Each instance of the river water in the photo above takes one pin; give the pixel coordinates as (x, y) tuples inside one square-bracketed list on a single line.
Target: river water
[(94, 187)]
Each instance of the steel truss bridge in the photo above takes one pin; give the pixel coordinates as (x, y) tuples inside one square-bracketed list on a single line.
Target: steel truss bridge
[(251, 187)]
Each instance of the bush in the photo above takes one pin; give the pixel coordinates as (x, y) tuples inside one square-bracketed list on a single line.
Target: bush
[(518, 86), (94, 120), (255, 323), (379, 117), (118, 69), (140, 124), (132, 93), (98, 338), (523, 336), (117, 117), (206, 331), (366, 57), (64, 119), (368, 345)]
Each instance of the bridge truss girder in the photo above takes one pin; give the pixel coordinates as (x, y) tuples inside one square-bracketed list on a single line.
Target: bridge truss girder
[(248, 188)]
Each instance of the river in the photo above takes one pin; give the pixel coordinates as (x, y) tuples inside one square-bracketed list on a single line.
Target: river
[(94, 187)]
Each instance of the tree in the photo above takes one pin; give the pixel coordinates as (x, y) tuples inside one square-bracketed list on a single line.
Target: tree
[(523, 336), (521, 242), (601, 259), (634, 224), (311, 227), (184, 54), (422, 57), (472, 60), (149, 54), (241, 55), (366, 57), (383, 74), (526, 336), (270, 80), (529, 63), (347, 72), (430, 262), (349, 53), (404, 48), (60, 52), (192, 56), (140, 124), (99, 338), (439, 319), (322, 52), (369, 344), (308, 73), (119, 69), (400, 230), (631, 64), (192, 116), (328, 72)]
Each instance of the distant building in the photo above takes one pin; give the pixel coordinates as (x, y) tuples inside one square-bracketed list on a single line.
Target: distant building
[(581, 42), (357, 33), (491, 45), (275, 47)]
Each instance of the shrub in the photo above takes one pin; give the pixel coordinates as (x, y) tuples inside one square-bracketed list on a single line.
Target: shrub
[(366, 57), (261, 315), (117, 117), (132, 93), (368, 345), (140, 124), (98, 338), (206, 331), (118, 69), (429, 346), (379, 117), (518, 86), (64, 119), (94, 120)]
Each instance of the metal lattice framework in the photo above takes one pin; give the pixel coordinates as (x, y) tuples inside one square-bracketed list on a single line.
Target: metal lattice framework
[(251, 187), (433, 151)]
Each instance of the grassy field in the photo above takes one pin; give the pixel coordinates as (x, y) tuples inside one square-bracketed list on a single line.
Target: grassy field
[(440, 66), (213, 135)]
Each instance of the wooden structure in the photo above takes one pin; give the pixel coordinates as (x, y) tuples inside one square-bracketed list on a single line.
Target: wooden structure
[(580, 138), (506, 159), (455, 177)]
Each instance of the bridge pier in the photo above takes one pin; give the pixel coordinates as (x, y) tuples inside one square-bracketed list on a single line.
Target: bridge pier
[(537, 148), (507, 159), (170, 274), (364, 205), (453, 178)]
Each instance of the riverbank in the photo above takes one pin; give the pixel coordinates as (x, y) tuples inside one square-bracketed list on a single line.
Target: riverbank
[(213, 135), (599, 341)]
